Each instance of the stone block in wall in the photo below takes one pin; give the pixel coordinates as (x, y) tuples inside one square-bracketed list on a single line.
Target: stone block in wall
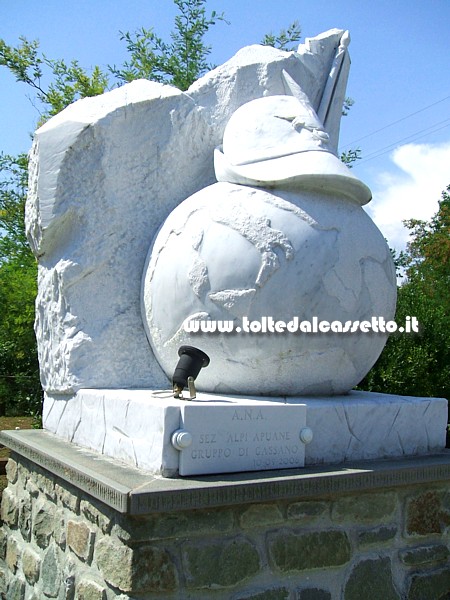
[(31, 564), (260, 515), (371, 579), (376, 536), (51, 572), (307, 511), (220, 563), (32, 488), (364, 508), (43, 521), (12, 554), (291, 551), (81, 539), (24, 520), (68, 578), (3, 580), (11, 471), (425, 514), (136, 570), (431, 584), (16, 590), (422, 555), (90, 590), (68, 498), (89, 510), (46, 484), (3, 541), (10, 508), (60, 529)]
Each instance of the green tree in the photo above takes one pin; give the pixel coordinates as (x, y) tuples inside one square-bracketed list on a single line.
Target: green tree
[(68, 83), (428, 258), (419, 364), (20, 390), (178, 62)]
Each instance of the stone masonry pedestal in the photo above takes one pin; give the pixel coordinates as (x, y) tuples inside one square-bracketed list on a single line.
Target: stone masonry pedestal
[(77, 524)]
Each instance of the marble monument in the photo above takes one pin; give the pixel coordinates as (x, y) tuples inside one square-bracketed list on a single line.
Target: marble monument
[(150, 208)]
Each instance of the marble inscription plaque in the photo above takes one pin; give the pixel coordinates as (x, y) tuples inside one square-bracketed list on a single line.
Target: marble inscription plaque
[(241, 437)]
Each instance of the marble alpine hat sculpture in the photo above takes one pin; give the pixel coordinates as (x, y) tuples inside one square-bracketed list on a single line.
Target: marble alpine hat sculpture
[(282, 234)]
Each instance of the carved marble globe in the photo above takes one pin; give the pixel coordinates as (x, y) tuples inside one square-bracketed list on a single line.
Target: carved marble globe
[(282, 236)]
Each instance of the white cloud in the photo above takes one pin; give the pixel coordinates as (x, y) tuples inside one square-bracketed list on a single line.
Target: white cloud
[(411, 193)]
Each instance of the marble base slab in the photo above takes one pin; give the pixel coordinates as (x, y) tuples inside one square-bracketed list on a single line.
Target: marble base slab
[(137, 427)]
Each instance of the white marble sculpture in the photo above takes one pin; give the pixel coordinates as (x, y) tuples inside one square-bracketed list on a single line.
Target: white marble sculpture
[(107, 171), (282, 235)]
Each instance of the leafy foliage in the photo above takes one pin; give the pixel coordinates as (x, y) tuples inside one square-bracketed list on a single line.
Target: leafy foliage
[(348, 103), (13, 185), (69, 82), (428, 260), (419, 364), (179, 62), (351, 156), (285, 38), (20, 390)]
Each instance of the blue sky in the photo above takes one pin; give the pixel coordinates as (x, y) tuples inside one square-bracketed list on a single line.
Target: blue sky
[(399, 79)]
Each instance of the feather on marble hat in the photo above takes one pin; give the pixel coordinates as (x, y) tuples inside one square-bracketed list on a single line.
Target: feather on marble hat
[(279, 141)]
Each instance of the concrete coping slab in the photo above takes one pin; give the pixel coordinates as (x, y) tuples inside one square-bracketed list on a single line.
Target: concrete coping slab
[(136, 492)]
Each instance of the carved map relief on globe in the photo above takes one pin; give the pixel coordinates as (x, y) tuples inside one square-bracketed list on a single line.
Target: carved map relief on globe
[(282, 234)]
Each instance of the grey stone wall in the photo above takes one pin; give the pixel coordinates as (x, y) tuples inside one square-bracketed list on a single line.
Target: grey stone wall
[(57, 542)]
